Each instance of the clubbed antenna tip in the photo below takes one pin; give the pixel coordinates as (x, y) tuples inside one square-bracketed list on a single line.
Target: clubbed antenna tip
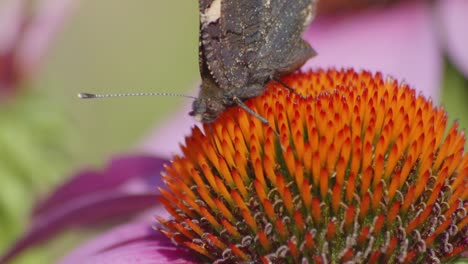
[(86, 95)]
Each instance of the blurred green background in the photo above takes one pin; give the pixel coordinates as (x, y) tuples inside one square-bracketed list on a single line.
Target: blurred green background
[(107, 46), (113, 46)]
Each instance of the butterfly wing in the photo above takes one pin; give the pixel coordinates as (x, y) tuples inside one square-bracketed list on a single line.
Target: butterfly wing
[(230, 32), (248, 41), (283, 49)]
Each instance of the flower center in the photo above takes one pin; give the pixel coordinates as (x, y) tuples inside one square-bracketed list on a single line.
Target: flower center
[(361, 171)]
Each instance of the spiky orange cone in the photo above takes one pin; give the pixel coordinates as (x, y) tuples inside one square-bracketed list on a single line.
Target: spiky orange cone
[(363, 170)]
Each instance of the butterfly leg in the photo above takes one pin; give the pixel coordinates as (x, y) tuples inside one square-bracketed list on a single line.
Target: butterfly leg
[(248, 110), (259, 117), (278, 80)]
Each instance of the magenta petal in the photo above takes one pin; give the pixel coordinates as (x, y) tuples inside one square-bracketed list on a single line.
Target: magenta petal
[(398, 41), (453, 15), (128, 174), (126, 188), (131, 243), (95, 211), (11, 18)]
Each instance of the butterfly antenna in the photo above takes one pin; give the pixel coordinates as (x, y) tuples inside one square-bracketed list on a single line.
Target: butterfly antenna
[(95, 96)]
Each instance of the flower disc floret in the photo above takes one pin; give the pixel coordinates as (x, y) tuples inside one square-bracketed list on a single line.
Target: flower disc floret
[(352, 167)]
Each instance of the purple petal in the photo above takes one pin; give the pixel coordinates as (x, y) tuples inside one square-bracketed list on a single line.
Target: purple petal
[(397, 41), (41, 30), (132, 243), (127, 174), (453, 15), (126, 188)]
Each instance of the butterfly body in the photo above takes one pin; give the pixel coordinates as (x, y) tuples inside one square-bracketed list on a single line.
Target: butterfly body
[(243, 45)]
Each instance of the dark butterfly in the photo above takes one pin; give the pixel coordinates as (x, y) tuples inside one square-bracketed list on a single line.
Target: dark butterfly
[(243, 45)]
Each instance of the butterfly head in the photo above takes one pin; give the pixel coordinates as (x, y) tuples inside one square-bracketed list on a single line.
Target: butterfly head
[(207, 110)]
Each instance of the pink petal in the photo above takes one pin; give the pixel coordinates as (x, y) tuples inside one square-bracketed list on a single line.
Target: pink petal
[(165, 138), (47, 20), (11, 15), (453, 15), (132, 243), (397, 41), (126, 188)]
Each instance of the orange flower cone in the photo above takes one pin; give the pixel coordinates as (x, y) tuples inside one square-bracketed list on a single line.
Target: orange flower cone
[(362, 169)]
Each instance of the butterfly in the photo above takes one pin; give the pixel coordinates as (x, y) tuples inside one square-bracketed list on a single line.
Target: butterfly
[(243, 45)]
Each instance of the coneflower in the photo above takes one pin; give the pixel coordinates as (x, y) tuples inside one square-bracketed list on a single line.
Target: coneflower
[(352, 167)]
